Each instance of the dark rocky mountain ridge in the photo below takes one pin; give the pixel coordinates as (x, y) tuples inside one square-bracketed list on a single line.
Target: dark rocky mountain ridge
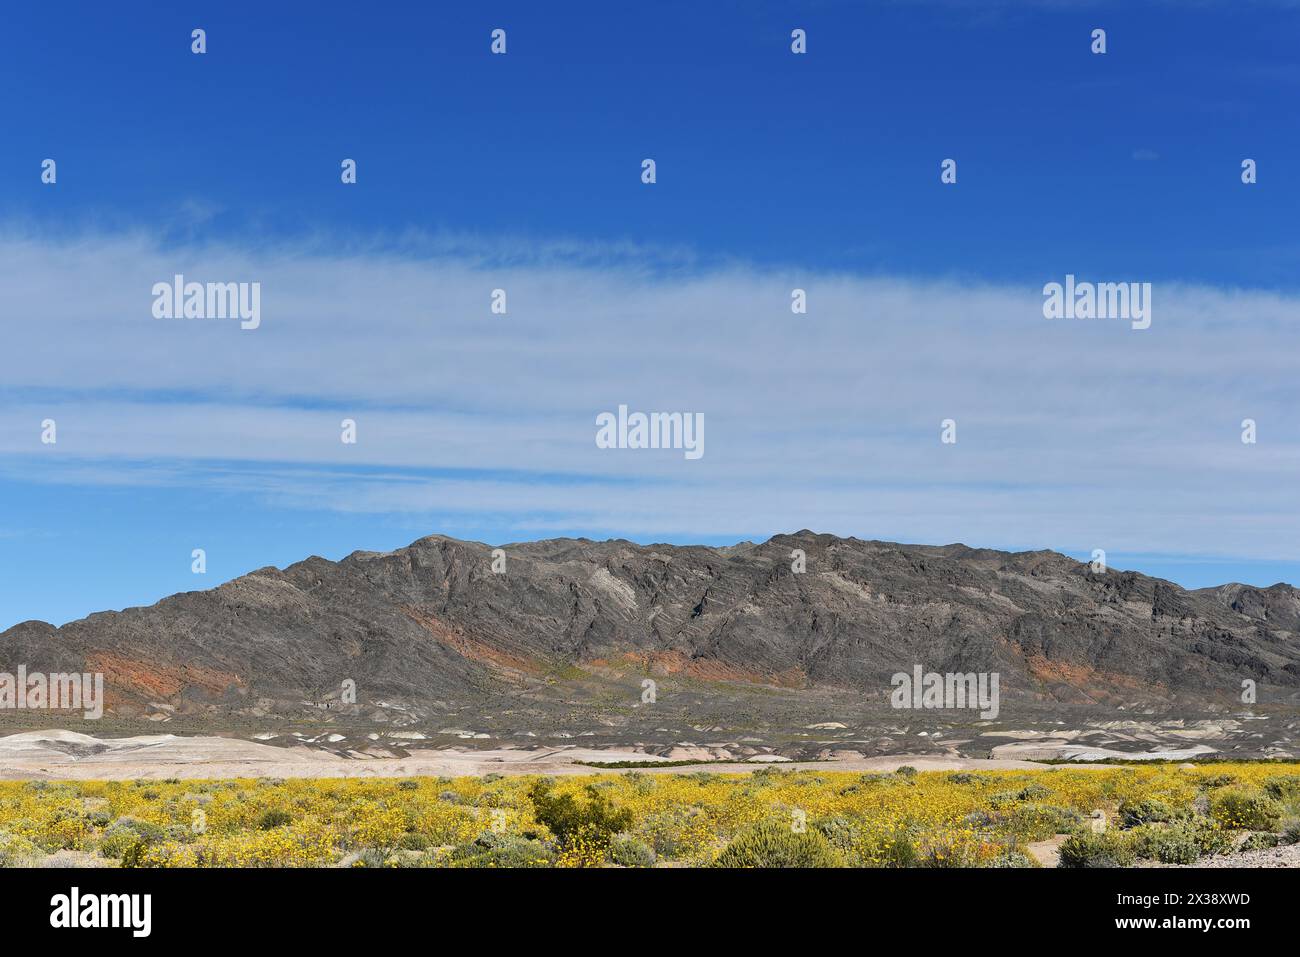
[(432, 627)]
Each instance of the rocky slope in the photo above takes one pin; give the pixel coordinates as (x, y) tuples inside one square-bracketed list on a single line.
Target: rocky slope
[(432, 626)]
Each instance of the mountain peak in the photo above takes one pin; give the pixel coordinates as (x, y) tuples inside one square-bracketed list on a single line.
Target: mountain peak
[(437, 621)]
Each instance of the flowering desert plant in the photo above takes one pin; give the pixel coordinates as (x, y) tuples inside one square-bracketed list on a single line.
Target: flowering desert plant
[(868, 820)]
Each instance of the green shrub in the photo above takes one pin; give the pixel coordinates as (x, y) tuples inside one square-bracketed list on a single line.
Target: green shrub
[(1283, 786), (942, 852), (1289, 832), (1259, 841), (179, 833), (596, 820), (703, 778), (372, 857), (906, 771), (983, 820), (126, 832), (502, 850), (639, 781), (1210, 838), (413, 842), (1108, 849), (1038, 822), (1146, 811), (17, 851), (274, 818), (412, 860), (1243, 808), (1169, 845), (893, 850), (408, 785), (1033, 792), (1212, 781), (1181, 842), (1012, 858), (773, 844), (845, 838), (668, 831), (626, 851)]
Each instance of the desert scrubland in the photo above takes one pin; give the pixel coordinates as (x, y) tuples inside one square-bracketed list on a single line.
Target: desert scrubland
[(1115, 815)]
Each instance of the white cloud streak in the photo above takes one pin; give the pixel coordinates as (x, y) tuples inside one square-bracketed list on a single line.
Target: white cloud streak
[(1072, 434)]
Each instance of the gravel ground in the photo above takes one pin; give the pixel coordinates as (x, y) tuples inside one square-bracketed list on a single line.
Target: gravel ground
[(1286, 856)]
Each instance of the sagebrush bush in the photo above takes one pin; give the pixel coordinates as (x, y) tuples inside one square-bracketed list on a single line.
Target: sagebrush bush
[(126, 832), (1245, 808), (17, 851), (774, 844), (1210, 838), (945, 851), (1108, 849), (1283, 787), (274, 818), (372, 857), (1037, 822), (981, 819), (674, 831), (856, 847), (1212, 781), (626, 851), (502, 850), (1260, 840), (1012, 858), (844, 836), (1145, 811), (1168, 845)]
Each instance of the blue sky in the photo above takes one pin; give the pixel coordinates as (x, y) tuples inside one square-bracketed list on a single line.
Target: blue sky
[(774, 171)]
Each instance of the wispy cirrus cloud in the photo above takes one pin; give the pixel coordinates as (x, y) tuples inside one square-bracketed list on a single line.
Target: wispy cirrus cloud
[(1070, 433)]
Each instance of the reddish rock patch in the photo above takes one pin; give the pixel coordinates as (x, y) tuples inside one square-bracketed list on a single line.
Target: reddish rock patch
[(154, 679)]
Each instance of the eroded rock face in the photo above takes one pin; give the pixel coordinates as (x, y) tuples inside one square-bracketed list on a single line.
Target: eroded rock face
[(433, 623)]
